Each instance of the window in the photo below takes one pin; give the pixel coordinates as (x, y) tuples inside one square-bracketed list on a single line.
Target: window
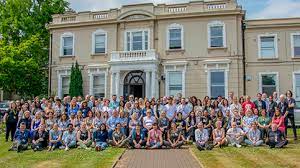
[(137, 40), (268, 46), (295, 45), (175, 36), (175, 82), (99, 42), (217, 84), (297, 85), (99, 85), (216, 34), (268, 83), (65, 85), (67, 44)]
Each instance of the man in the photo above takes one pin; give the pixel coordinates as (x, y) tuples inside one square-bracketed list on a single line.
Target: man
[(282, 105), (114, 103), (69, 138), (21, 138), (275, 97), (235, 135), (112, 123), (291, 106), (40, 138), (235, 106), (259, 103), (276, 138), (58, 108), (248, 104), (170, 109), (201, 137), (183, 108), (254, 136), (264, 97), (272, 106)]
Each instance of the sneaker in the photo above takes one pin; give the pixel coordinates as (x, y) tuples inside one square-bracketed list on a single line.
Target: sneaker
[(67, 148), (238, 145), (35, 149), (62, 147)]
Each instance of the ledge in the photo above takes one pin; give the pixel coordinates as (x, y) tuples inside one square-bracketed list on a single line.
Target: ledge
[(217, 48), (267, 59), (175, 51), (100, 54)]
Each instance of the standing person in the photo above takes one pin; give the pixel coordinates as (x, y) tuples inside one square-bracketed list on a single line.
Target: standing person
[(201, 137), (272, 106), (112, 123), (11, 120), (254, 136), (21, 139), (69, 138), (27, 120), (184, 109), (282, 105), (259, 103), (138, 138), (114, 104), (264, 123), (276, 138), (191, 126), (235, 135), (290, 116), (154, 139), (84, 137), (247, 120), (40, 139), (219, 135), (100, 138), (207, 122), (174, 139), (170, 109), (248, 104), (54, 138)]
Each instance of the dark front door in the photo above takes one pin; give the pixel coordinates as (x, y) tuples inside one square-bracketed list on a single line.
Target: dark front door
[(134, 84)]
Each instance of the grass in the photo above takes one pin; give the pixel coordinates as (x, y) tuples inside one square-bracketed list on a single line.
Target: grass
[(251, 157), (58, 158)]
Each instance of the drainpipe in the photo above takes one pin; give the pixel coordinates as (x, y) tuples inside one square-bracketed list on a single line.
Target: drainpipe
[(50, 66), (244, 55)]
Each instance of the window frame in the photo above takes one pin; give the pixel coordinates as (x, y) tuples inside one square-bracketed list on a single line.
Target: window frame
[(98, 32), (275, 45), (64, 35), (293, 45), (131, 31), (214, 24), (260, 74), (104, 87), (294, 85), (172, 27), (94, 70), (209, 71)]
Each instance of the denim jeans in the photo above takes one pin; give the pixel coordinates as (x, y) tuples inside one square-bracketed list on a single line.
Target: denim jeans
[(103, 145)]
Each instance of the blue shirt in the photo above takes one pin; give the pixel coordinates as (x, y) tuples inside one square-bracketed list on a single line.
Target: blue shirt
[(22, 136), (73, 110), (113, 104), (112, 122)]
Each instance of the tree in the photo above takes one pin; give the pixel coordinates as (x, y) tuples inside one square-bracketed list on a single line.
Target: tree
[(76, 81), (24, 44)]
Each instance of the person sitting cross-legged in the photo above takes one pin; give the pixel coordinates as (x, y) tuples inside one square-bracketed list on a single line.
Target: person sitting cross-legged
[(254, 136), (40, 138), (84, 137), (69, 138), (118, 138), (276, 138), (219, 135), (100, 138), (175, 137), (235, 135), (154, 139), (137, 138), (54, 138), (21, 138), (201, 137)]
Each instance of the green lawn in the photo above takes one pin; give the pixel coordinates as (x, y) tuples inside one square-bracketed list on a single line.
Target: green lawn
[(57, 158), (230, 157)]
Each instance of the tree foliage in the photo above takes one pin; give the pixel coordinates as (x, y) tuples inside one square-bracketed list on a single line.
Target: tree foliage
[(24, 44), (76, 81)]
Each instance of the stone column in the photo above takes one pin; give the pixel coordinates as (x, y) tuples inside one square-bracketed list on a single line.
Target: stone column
[(153, 84), (117, 83), (148, 83), (112, 83)]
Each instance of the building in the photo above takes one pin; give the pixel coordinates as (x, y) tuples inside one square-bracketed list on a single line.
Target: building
[(272, 56), (151, 50)]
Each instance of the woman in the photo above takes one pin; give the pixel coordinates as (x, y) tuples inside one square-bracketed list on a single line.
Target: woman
[(63, 123), (175, 137), (278, 119), (219, 135), (136, 109), (147, 107), (237, 119), (50, 121), (36, 122), (163, 124), (11, 120), (207, 122), (118, 138), (89, 120), (248, 119), (83, 137), (74, 107), (124, 122), (180, 123), (264, 124), (121, 106), (79, 119), (148, 121), (127, 109), (133, 122), (55, 136), (40, 138), (191, 126), (224, 106), (138, 139), (97, 120), (105, 116), (216, 106), (84, 108), (100, 138), (154, 139)]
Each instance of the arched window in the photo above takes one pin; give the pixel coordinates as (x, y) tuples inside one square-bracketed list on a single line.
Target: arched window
[(175, 36)]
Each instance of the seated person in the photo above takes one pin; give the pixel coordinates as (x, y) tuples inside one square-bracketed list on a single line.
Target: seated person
[(100, 138), (54, 138), (163, 123), (148, 120), (175, 137), (201, 137), (40, 138), (27, 120), (137, 139), (69, 138), (219, 138), (276, 138), (264, 123), (112, 122), (278, 119), (235, 135), (207, 122), (254, 136), (247, 120), (118, 138), (21, 138), (84, 137), (154, 139)]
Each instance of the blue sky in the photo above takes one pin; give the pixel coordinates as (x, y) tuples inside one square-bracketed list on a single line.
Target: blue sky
[(256, 9)]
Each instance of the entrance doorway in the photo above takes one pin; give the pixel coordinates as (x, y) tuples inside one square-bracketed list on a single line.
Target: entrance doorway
[(134, 84)]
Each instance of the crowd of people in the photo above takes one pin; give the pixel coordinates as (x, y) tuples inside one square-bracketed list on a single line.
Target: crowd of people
[(168, 122)]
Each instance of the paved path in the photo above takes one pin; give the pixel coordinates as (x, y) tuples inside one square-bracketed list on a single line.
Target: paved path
[(169, 158)]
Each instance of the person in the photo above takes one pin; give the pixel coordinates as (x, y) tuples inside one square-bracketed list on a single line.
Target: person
[(124, 122), (63, 122), (27, 120), (154, 139), (191, 126), (163, 123), (264, 123), (282, 105), (278, 119), (137, 138), (84, 137), (114, 104), (237, 119), (54, 138), (84, 108), (40, 139), (276, 138), (118, 138), (98, 120), (170, 109), (74, 107), (207, 122), (201, 137), (36, 122), (89, 120), (253, 136), (174, 139), (259, 103), (247, 120), (219, 135), (290, 116), (183, 108), (235, 135), (69, 138), (100, 138), (21, 138), (112, 123), (148, 121), (272, 106), (248, 104), (133, 122), (11, 120)]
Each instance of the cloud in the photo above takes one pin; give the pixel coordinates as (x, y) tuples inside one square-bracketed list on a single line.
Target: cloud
[(278, 9)]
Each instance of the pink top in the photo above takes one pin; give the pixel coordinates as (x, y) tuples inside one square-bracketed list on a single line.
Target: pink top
[(280, 123), (154, 135)]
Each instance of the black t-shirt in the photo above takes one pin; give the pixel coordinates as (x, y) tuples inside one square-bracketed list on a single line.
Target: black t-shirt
[(205, 120), (44, 135), (12, 116)]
